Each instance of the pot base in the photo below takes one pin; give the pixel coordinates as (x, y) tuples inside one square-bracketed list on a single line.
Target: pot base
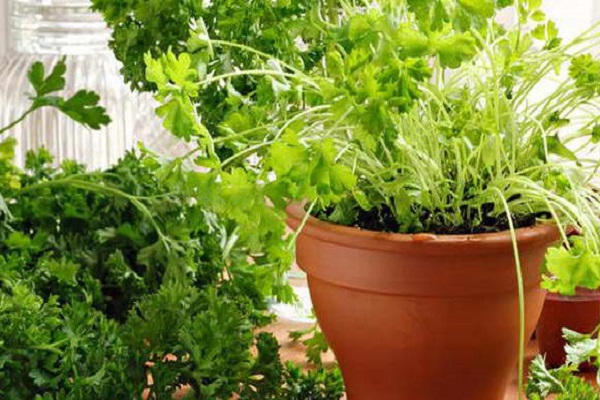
[(403, 354)]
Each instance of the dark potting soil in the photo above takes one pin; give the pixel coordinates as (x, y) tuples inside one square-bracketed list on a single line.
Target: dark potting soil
[(382, 219)]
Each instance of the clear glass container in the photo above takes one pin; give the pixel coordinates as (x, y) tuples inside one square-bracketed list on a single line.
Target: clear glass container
[(47, 30)]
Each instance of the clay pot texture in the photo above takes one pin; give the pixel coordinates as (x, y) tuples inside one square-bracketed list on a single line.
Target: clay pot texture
[(421, 317), (580, 313)]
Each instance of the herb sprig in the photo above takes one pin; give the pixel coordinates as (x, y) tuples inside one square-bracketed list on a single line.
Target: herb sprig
[(81, 107)]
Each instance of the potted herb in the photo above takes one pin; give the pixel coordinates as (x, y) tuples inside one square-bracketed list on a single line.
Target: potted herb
[(577, 309), (427, 182)]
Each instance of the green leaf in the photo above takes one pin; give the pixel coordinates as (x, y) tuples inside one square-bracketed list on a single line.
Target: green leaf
[(412, 43), (534, 4), (50, 84), (483, 8), (64, 270), (580, 348), (178, 118), (172, 73), (83, 107), (180, 72), (505, 3), (456, 49), (543, 382), (18, 241), (287, 154), (570, 269), (200, 39), (585, 71), (36, 76), (154, 71), (547, 31), (315, 342), (596, 134), (362, 200), (538, 16), (555, 146), (330, 179)]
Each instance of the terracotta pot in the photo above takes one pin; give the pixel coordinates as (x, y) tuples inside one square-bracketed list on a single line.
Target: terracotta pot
[(421, 317), (580, 313)]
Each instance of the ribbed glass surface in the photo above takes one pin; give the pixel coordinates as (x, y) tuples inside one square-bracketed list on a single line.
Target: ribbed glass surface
[(56, 27), (47, 30)]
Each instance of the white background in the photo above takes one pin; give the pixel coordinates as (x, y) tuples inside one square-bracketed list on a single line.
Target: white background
[(3, 30)]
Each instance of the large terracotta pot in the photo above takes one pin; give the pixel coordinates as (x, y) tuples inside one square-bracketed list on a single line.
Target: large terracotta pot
[(580, 313), (421, 317)]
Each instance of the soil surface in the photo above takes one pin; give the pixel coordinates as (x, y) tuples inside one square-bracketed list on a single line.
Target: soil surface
[(382, 219)]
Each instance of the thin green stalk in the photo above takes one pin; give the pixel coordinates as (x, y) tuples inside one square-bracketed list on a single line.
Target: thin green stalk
[(333, 12), (521, 292), (241, 134), (305, 219), (254, 72), (249, 49), (244, 153), (98, 188), (19, 120)]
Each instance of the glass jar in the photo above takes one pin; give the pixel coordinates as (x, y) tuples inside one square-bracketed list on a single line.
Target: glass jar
[(47, 30)]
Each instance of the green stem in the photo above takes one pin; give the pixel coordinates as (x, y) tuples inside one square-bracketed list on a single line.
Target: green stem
[(254, 72), (107, 190), (19, 120), (241, 134), (249, 49), (248, 152), (305, 219), (521, 293), (333, 12)]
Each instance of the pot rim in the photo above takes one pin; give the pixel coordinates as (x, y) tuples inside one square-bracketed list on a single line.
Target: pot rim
[(580, 295), (538, 234)]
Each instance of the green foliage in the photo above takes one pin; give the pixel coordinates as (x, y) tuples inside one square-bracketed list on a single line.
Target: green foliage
[(68, 352), (570, 268), (196, 338), (371, 129), (92, 289), (315, 385), (81, 107), (314, 340), (109, 277), (585, 70), (364, 122), (562, 381), (274, 381), (142, 27), (360, 87), (298, 34)]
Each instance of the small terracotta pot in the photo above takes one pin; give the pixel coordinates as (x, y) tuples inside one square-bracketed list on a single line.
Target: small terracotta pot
[(580, 313), (421, 317)]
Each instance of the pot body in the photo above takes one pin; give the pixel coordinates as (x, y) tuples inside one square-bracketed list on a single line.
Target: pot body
[(580, 313), (421, 317)]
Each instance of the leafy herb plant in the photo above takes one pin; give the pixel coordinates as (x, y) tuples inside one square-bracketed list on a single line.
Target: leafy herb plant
[(81, 107), (562, 381), (119, 284), (410, 117), (403, 116)]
